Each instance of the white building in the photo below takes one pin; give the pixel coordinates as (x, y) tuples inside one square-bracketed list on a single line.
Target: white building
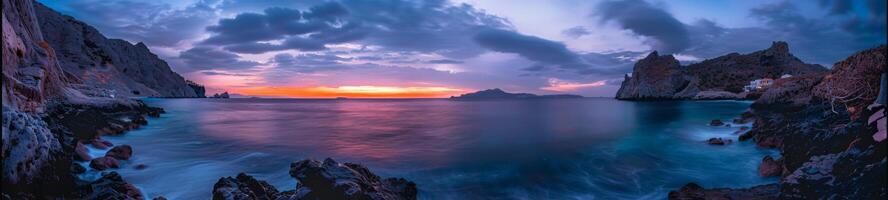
[(758, 84)]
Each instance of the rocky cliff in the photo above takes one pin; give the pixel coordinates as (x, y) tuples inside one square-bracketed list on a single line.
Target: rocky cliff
[(662, 77), (826, 127), (45, 119), (99, 66)]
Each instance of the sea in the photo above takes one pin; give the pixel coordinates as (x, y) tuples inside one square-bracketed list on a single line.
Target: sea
[(587, 148)]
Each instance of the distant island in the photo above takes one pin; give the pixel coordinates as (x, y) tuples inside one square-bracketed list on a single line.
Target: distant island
[(498, 94)]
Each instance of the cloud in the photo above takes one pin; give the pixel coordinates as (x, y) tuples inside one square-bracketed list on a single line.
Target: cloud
[(432, 27), (576, 32), (156, 24), (814, 40), (559, 85), (664, 32), (530, 47), (206, 58), (305, 63), (444, 61)]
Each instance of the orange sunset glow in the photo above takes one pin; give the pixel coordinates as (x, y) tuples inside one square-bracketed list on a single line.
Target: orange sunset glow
[(351, 92)]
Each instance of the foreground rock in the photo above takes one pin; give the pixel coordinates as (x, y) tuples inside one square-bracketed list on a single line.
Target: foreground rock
[(112, 186), (319, 180), (662, 77)]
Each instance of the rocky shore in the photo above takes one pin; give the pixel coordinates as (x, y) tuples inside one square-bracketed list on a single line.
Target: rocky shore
[(829, 129), (318, 180)]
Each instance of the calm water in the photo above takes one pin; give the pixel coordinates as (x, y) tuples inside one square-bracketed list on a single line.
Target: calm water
[(538, 149)]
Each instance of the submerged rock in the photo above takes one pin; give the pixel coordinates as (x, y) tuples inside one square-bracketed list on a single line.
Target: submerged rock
[(319, 180), (716, 122), (122, 152), (719, 141), (103, 163)]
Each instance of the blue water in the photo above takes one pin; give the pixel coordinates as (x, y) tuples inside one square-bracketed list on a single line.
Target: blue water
[(591, 148)]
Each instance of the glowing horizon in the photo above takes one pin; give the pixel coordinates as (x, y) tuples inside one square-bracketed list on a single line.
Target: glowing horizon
[(361, 91)]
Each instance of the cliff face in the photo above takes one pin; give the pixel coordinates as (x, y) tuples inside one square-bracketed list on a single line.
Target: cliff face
[(661, 77), (99, 66), (31, 153), (654, 77)]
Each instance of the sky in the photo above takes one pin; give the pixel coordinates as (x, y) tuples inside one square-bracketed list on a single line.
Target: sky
[(440, 48)]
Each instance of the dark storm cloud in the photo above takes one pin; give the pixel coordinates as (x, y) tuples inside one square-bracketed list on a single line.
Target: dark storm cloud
[(814, 40), (870, 21), (576, 32), (424, 26), (204, 58), (530, 47), (665, 33), (304, 63)]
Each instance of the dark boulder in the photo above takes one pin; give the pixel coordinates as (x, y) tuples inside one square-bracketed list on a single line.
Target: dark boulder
[(716, 122), (112, 186), (243, 187), (332, 180), (719, 141), (122, 152), (104, 163), (770, 167), (81, 153)]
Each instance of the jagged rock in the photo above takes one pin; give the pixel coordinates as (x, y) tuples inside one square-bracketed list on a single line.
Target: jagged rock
[(112, 186), (243, 187), (319, 180), (332, 180), (103, 163), (110, 67), (654, 77), (692, 191), (662, 77), (122, 152), (99, 143), (88, 122), (769, 167), (223, 95), (31, 153)]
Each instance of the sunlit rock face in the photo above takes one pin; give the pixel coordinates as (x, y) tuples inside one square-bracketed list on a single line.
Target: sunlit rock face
[(662, 77), (99, 66)]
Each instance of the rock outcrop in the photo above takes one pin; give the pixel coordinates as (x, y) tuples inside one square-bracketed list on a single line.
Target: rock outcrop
[(659, 77), (319, 180), (109, 67), (819, 124), (498, 94), (692, 191)]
